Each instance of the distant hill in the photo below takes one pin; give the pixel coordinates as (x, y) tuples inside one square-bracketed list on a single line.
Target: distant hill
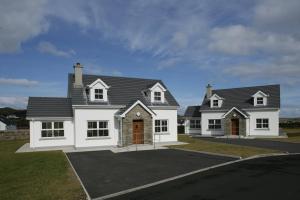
[(286, 119), (20, 121), (10, 111)]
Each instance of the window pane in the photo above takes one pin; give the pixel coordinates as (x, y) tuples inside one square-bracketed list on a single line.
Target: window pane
[(105, 133), (266, 121), (157, 129), (217, 126), (46, 125), (218, 121), (44, 133), (210, 121), (94, 133), (58, 125), (258, 126), (265, 125), (89, 133), (101, 132), (49, 133), (157, 122), (164, 122), (164, 129), (92, 124), (55, 133), (258, 120), (61, 133)]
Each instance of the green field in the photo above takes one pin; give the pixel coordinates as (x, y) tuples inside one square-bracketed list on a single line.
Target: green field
[(293, 135), (38, 175), (221, 148)]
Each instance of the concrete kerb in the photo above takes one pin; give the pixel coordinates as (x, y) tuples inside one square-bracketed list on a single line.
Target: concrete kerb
[(190, 173), (87, 194), (210, 153)]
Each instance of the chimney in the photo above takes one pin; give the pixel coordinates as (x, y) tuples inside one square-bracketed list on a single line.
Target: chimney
[(78, 75), (208, 91)]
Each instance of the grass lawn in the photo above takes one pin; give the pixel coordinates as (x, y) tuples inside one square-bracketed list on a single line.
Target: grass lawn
[(293, 135), (38, 175), (214, 147)]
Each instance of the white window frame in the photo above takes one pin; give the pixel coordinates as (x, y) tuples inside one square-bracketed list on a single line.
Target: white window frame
[(195, 124), (99, 94), (52, 129), (97, 129), (264, 123), (161, 126), (157, 96), (213, 125)]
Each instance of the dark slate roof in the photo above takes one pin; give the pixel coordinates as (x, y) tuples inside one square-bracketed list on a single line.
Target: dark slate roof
[(122, 90), (49, 107), (241, 98), (192, 111)]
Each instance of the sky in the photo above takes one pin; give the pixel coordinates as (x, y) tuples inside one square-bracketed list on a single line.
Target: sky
[(187, 44)]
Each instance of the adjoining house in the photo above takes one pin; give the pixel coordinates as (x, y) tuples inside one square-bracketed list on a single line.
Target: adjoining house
[(247, 111), (6, 124), (104, 111)]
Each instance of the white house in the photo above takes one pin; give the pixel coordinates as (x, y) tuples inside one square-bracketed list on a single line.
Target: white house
[(104, 111), (247, 111), (6, 124)]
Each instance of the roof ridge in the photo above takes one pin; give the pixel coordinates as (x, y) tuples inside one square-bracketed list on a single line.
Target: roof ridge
[(119, 77), (247, 87)]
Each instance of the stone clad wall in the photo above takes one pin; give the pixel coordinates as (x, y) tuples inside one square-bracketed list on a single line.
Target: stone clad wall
[(14, 135), (242, 123), (127, 125)]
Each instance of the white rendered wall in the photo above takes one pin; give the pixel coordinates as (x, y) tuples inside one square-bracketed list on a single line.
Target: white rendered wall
[(171, 116), (81, 118), (36, 139), (191, 131), (2, 126), (273, 117), (204, 123)]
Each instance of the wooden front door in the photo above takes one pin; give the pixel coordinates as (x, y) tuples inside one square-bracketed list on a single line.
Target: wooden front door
[(138, 132), (235, 126)]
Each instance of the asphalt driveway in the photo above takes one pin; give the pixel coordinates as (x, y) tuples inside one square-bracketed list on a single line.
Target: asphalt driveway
[(276, 145), (104, 172), (273, 178)]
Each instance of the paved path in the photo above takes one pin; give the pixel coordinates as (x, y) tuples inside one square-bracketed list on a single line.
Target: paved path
[(275, 178), (104, 172), (276, 145)]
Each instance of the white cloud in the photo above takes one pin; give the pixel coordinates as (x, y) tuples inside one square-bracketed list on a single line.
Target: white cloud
[(241, 40), (19, 82), (16, 102), (47, 47), (91, 68), (20, 21)]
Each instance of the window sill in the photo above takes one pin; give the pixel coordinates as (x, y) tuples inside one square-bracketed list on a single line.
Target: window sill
[(195, 128), (98, 138), (167, 133), (52, 138), (262, 129), (214, 129)]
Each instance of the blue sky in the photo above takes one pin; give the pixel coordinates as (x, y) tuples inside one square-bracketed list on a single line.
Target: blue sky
[(187, 44)]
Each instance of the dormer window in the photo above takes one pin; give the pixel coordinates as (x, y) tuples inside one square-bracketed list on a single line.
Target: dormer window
[(157, 93), (259, 101), (98, 94), (215, 103), (98, 91), (157, 96), (260, 98)]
